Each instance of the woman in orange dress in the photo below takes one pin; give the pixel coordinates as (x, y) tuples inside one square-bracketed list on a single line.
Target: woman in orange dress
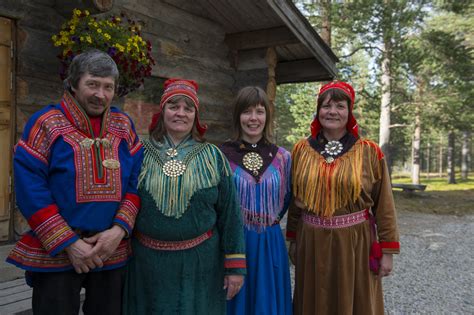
[(343, 204)]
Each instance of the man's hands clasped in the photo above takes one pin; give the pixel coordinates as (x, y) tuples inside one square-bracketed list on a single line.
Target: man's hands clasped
[(90, 253)]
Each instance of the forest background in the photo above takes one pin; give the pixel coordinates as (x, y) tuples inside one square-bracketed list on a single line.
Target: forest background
[(411, 64)]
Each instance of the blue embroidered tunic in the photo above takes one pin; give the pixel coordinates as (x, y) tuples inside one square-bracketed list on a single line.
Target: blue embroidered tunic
[(68, 182), (264, 201)]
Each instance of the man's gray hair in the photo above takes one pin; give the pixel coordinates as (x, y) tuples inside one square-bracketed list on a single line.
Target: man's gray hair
[(96, 63)]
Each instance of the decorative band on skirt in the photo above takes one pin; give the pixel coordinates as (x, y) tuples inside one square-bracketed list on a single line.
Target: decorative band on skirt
[(171, 245), (336, 222)]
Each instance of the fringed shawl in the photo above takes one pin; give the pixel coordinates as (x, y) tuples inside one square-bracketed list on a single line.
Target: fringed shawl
[(173, 194), (262, 202), (325, 187)]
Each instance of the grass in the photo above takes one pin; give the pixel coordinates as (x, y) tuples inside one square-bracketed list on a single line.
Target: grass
[(439, 183), (439, 197)]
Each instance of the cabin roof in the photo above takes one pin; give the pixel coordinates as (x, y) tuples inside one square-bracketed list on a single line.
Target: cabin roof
[(252, 26)]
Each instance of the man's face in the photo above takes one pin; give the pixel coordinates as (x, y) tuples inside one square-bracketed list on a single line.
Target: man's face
[(94, 94)]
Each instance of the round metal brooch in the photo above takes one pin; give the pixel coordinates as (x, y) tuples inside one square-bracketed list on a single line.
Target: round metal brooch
[(174, 168), (333, 147), (253, 162)]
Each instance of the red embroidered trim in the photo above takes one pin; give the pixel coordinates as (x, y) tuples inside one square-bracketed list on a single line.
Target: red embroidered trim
[(336, 222), (235, 263), (171, 245), (136, 148), (128, 210), (391, 245), (46, 129), (32, 151), (88, 187), (50, 227), (121, 126), (29, 253)]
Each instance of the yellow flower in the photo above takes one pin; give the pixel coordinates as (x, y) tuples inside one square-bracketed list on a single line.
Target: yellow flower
[(86, 12), (99, 30), (89, 39), (77, 12)]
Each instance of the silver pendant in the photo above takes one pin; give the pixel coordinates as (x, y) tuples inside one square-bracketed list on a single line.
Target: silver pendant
[(174, 168)]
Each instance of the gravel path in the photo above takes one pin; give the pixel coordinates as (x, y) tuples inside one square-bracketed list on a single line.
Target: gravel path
[(434, 274)]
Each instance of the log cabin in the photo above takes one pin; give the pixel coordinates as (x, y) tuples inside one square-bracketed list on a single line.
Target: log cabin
[(224, 45)]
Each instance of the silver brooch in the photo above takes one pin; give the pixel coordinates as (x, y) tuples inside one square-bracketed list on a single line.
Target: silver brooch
[(333, 148)]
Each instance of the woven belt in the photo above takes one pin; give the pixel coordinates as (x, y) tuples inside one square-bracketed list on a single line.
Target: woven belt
[(259, 220), (336, 222), (171, 245)]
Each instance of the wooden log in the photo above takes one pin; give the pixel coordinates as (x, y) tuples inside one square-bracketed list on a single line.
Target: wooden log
[(65, 7), (272, 59), (275, 36), (301, 71)]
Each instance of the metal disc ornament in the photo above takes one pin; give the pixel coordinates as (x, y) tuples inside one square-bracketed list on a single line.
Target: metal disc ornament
[(333, 147), (253, 162), (174, 168)]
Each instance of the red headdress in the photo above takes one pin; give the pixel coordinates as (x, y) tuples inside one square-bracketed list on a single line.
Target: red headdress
[(174, 87), (351, 126)]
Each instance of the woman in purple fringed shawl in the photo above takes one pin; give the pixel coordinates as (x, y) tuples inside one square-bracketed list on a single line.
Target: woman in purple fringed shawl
[(261, 172)]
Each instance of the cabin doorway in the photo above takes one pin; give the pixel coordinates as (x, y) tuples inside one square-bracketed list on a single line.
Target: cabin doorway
[(6, 126)]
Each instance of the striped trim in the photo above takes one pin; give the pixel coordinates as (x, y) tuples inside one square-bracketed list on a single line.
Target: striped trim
[(336, 222), (235, 261), (127, 212), (171, 245), (32, 151), (29, 254), (390, 245), (51, 229)]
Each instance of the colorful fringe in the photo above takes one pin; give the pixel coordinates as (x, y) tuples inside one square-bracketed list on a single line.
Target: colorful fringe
[(173, 194), (262, 202), (325, 187)]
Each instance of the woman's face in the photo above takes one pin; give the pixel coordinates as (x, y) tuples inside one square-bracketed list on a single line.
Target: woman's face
[(252, 123), (178, 118), (333, 115)]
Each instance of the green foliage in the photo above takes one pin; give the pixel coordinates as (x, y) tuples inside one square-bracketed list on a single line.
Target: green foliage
[(431, 65)]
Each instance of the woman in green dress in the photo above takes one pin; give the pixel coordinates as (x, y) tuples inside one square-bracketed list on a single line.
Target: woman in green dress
[(188, 246)]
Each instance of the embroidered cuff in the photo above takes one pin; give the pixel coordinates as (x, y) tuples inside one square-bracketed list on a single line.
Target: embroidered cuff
[(390, 247), (127, 213), (52, 230), (235, 261), (290, 235)]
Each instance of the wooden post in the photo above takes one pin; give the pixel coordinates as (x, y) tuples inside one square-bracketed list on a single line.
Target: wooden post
[(271, 60)]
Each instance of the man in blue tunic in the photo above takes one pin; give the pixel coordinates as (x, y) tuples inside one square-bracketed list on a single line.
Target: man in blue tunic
[(76, 170)]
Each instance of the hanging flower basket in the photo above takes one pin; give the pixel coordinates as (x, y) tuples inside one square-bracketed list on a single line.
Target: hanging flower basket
[(118, 36)]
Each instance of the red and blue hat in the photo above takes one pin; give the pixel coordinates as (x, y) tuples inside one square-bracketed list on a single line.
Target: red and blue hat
[(174, 87)]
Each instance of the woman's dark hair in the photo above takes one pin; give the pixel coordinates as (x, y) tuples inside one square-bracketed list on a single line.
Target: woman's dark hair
[(247, 97), (96, 63), (160, 131)]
